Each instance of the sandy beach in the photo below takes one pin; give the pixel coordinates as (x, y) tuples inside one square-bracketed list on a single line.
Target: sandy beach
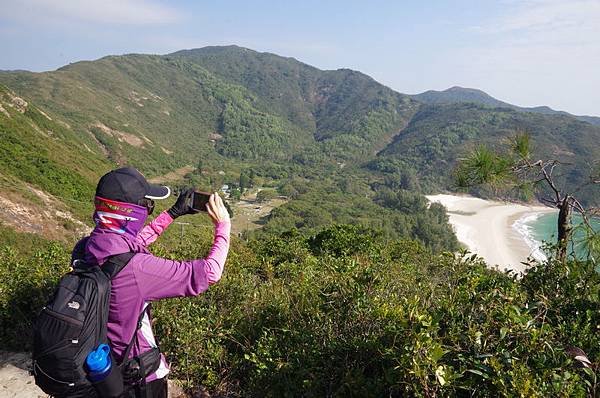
[(487, 228)]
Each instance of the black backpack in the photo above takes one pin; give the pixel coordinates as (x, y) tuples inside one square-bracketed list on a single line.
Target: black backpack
[(71, 325)]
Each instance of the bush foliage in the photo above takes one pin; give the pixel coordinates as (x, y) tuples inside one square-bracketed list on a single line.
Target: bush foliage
[(346, 312)]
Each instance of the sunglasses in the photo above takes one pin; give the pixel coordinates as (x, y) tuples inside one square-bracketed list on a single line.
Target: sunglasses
[(148, 204)]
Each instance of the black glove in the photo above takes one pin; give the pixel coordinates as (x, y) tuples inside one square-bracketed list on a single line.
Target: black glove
[(183, 204)]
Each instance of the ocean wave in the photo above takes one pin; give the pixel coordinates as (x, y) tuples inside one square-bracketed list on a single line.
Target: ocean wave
[(524, 227)]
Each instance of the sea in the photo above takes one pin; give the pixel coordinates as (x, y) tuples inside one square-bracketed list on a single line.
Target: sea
[(539, 230)]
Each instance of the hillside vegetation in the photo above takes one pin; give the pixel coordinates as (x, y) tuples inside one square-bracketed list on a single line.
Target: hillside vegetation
[(232, 108), (282, 119), (347, 312), (438, 135), (47, 172)]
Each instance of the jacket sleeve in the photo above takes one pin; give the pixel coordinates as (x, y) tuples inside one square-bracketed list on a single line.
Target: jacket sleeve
[(159, 278), (152, 231)]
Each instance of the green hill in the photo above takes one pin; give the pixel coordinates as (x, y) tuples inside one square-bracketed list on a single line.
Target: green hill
[(161, 113), (457, 94), (158, 113), (343, 109), (438, 135), (225, 111)]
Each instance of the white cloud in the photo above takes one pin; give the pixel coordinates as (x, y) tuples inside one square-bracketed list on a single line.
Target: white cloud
[(551, 21), (121, 12), (552, 14), (547, 50)]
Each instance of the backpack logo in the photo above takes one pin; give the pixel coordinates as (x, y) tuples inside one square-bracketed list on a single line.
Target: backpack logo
[(74, 305)]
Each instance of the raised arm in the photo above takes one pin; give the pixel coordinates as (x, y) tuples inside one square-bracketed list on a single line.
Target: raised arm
[(159, 278), (215, 260), (152, 231)]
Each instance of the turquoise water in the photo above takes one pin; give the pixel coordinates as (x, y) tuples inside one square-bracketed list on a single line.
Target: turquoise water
[(543, 229)]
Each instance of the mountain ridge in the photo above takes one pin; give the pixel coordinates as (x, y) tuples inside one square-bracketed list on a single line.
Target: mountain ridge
[(230, 109), (454, 94), (457, 94)]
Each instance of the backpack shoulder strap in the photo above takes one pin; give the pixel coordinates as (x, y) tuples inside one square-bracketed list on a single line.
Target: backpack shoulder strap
[(116, 263), (134, 337)]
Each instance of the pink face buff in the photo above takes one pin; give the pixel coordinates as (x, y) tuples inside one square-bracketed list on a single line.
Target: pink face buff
[(119, 217)]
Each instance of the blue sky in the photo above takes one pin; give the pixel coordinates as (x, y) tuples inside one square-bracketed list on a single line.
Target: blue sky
[(527, 52)]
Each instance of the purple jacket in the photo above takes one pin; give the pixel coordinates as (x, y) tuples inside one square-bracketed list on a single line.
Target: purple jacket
[(146, 277)]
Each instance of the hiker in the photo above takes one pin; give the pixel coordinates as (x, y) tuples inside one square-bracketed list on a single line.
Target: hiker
[(123, 201)]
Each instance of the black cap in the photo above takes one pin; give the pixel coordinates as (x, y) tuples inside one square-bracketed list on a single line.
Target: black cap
[(129, 185)]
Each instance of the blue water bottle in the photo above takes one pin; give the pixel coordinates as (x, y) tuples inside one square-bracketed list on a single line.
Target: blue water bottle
[(106, 378), (99, 363)]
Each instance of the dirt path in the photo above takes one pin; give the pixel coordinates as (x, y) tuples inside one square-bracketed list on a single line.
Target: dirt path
[(250, 215), (173, 175), (16, 382)]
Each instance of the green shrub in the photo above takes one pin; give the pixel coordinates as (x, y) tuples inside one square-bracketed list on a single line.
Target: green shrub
[(345, 312), (264, 195), (27, 283)]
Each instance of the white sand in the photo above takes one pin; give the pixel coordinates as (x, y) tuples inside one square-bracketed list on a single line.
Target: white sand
[(487, 228)]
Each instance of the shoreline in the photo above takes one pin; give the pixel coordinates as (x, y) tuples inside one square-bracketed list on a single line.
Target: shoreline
[(496, 231), (523, 228)]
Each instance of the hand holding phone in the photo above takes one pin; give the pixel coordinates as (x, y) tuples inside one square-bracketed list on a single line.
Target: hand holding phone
[(183, 204), (200, 201), (216, 209)]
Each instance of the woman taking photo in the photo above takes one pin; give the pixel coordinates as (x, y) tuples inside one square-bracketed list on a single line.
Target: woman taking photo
[(124, 200)]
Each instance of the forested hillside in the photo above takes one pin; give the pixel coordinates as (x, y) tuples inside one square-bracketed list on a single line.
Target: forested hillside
[(226, 111), (260, 107), (439, 134), (346, 110), (231, 105)]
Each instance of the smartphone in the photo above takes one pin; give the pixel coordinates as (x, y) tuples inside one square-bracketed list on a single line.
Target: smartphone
[(200, 200)]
